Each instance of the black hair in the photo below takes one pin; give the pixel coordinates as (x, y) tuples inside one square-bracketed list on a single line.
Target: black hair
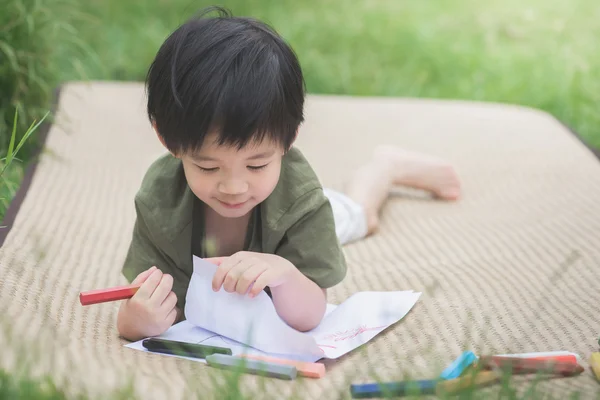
[(232, 76)]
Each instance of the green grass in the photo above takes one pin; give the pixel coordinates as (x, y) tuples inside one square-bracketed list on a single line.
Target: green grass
[(15, 146), (26, 388), (31, 34), (540, 53)]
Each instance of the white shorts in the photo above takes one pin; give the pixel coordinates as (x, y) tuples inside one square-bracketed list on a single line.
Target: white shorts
[(349, 216)]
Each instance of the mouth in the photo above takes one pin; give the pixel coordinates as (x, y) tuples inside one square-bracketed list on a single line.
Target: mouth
[(232, 206)]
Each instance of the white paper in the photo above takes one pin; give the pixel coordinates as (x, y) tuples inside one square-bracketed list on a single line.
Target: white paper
[(237, 321), (241, 318)]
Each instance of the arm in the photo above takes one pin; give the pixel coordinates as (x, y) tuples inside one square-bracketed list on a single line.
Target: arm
[(153, 308), (311, 246), (300, 302)]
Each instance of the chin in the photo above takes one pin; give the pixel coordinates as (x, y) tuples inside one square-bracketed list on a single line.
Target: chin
[(232, 212)]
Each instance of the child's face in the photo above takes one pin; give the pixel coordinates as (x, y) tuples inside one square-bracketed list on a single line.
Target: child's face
[(231, 181)]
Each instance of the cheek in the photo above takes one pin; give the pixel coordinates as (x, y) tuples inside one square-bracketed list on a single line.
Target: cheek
[(266, 183), (198, 182)]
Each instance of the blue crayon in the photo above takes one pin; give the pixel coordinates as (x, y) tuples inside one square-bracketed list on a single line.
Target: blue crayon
[(459, 365), (371, 390)]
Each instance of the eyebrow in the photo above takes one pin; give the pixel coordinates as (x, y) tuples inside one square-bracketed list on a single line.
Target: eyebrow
[(264, 154)]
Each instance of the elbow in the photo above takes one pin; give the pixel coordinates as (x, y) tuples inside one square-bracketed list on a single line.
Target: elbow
[(311, 320), (306, 327)]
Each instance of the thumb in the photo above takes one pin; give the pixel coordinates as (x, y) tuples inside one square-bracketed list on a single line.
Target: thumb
[(215, 260)]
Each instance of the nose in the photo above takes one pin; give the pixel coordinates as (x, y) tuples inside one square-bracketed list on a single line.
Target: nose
[(233, 187)]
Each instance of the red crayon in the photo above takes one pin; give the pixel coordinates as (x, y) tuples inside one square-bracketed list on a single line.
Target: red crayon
[(562, 365), (110, 294)]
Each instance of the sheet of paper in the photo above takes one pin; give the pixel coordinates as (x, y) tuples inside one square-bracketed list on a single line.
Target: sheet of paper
[(221, 317), (358, 319), (186, 332), (251, 321)]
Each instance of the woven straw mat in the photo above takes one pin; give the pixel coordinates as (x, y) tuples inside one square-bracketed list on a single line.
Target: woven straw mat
[(511, 267)]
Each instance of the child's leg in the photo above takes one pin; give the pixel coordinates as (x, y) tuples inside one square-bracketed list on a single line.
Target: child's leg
[(371, 183)]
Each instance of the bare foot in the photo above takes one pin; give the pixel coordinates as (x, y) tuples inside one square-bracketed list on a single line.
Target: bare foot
[(420, 171)]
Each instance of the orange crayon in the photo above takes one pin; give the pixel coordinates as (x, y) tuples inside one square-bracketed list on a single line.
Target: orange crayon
[(307, 369)]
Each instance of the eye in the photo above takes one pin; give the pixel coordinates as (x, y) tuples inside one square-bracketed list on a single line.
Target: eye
[(207, 169), (257, 168)]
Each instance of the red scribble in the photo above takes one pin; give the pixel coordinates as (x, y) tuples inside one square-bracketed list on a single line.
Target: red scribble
[(350, 334)]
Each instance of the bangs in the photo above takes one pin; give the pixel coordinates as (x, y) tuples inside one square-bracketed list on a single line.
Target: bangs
[(252, 105)]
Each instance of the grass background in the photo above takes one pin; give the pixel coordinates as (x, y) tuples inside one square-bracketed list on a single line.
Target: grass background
[(540, 53)]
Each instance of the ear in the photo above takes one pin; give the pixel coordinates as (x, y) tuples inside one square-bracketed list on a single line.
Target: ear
[(162, 140), (293, 141)]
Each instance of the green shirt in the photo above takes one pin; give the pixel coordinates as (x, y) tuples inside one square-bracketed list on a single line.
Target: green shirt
[(295, 222)]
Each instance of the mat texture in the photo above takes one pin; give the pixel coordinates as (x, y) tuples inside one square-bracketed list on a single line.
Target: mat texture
[(512, 267)]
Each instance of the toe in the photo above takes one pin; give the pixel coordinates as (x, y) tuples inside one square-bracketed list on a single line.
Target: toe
[(451, 193)]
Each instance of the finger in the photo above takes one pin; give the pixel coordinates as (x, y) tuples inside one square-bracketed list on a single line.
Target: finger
[(249, 276), (215, 260), (222, 271), (142, 276), (262, 282), (171, 316), (169, 303), (162, 290), (145, 291), (231, 279)]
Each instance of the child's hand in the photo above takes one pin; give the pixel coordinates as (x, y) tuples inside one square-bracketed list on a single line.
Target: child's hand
[(151, 310), (248, 270)]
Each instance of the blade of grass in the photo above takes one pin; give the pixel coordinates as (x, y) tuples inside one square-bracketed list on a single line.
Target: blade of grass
[(32, 128), (11, 145), (12, 153)]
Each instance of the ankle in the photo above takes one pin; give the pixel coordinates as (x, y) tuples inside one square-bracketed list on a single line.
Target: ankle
[(372, 223)]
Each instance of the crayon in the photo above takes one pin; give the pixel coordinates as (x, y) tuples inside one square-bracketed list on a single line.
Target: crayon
[(110, 294), (471, 369), (392, 389), (424, 387), (306, 369), (518, 365), (568, 358), (453, 386), (544, 355), (595, 364), (183, 349), (255, 367), (458, 366)]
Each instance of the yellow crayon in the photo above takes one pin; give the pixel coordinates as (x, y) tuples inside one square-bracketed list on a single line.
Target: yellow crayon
[(595, 364), (456, 385)]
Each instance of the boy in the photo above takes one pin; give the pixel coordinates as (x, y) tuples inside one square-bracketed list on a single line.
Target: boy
[(226, 97)]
